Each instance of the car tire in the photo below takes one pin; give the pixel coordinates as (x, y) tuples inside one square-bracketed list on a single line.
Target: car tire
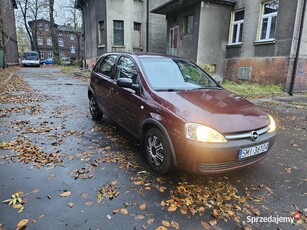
[(158, 151), (94, 108)]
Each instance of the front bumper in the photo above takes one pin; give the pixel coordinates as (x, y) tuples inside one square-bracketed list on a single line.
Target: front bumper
[(206, 158)]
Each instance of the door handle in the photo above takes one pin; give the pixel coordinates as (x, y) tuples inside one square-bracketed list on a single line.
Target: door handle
[(112, 90)]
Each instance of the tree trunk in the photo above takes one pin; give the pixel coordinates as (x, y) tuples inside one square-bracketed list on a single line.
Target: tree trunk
[(54, 37)]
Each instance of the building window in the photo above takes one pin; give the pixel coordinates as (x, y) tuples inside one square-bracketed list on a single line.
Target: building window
[(268, 20), (40, 41), (61, 42), (50, 54), (72, 49), (137, 26), (72, 37), (188, 24), (41, 55), (49, 42), (62, 54), (101, 33), (118, 32), (237, 24)]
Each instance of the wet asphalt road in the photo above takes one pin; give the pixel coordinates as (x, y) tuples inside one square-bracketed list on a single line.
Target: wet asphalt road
[(99, 158)]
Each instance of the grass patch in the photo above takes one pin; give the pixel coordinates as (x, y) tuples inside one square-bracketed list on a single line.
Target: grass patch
[(252, 90), (70, 69), (298, 103)]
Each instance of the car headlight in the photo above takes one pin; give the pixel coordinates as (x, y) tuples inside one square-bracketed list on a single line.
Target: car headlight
[(272, 126), (203, 133)]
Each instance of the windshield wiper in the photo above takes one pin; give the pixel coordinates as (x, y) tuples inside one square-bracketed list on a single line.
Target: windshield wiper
[(208, 87)]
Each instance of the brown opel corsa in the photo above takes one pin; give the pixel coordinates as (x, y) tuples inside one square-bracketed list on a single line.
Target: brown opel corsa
[(180, 114)]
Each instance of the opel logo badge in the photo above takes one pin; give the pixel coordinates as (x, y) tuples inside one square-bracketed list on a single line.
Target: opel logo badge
[(254, 135)]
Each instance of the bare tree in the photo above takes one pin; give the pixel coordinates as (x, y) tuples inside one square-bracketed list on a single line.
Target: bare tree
[(54, 37), (31, 10), (74, 19)]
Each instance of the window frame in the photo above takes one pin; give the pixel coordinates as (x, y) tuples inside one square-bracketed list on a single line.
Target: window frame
[(41, 55), (117, 29), (72, 37), (240, 26), (119, 68), (72, 49), (50, 54), (268, 16), (106, 60), (188, 24), (101, 32), (40, 41), (137, 26), (61, 42), (49, 41)]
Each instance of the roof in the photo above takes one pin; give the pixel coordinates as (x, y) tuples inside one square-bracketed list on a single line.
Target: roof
[(66, 27), (174, 5)]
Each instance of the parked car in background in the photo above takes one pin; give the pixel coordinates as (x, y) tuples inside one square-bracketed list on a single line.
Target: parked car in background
[(65, 61), (30, 58), (49, 61), (179, 113)]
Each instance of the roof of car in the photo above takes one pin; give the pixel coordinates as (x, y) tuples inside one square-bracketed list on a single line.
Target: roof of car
[(145, 54)]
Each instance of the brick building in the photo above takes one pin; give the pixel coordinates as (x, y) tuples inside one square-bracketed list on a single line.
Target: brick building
[(251, 40), (68, 39), (8, 37), (117, 25)]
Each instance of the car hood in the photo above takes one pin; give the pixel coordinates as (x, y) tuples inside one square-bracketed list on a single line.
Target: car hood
[(219, 109)]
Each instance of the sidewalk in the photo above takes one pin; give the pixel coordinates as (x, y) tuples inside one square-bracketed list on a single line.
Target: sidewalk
[(297, 100)]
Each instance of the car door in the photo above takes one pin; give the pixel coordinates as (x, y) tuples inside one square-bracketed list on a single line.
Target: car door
[(102, 83), (127, 102)]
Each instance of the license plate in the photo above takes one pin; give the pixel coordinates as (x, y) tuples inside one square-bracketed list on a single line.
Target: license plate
[(252, 151)]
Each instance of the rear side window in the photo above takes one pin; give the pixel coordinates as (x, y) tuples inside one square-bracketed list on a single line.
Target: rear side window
[(105, 66)]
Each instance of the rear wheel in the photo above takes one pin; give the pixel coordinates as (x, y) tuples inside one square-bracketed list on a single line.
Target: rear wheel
[(94, 108), (158, 151)]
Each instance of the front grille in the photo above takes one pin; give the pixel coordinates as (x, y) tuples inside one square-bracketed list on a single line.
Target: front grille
[(232, 164), (245, 135)]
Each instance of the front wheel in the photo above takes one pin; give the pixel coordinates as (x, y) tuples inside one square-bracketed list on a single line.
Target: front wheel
[(94, 108), (158, 151)]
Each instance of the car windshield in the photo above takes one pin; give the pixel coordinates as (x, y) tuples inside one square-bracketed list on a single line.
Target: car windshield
[(31, 56), (166, 74)]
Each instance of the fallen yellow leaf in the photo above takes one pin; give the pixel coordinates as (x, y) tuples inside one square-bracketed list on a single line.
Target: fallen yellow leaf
[(172, 209), (22, 223), (161, 228), (17, 206), (65, 194), (124, 211), (175, 225), (166, 223), (115, 211), (205, 225), (70, 204), (183, 211), (142, 207), (213, 222)]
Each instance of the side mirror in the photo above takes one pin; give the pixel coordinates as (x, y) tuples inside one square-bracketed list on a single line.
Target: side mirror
[(127, 83)]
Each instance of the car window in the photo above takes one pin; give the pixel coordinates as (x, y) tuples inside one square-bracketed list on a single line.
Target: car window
[(105, 66), (126, 69), (166, 74)]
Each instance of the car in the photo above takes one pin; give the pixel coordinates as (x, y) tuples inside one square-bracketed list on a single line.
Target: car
[(183, 118), (65, 61), (48, 61), (30, 58)]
